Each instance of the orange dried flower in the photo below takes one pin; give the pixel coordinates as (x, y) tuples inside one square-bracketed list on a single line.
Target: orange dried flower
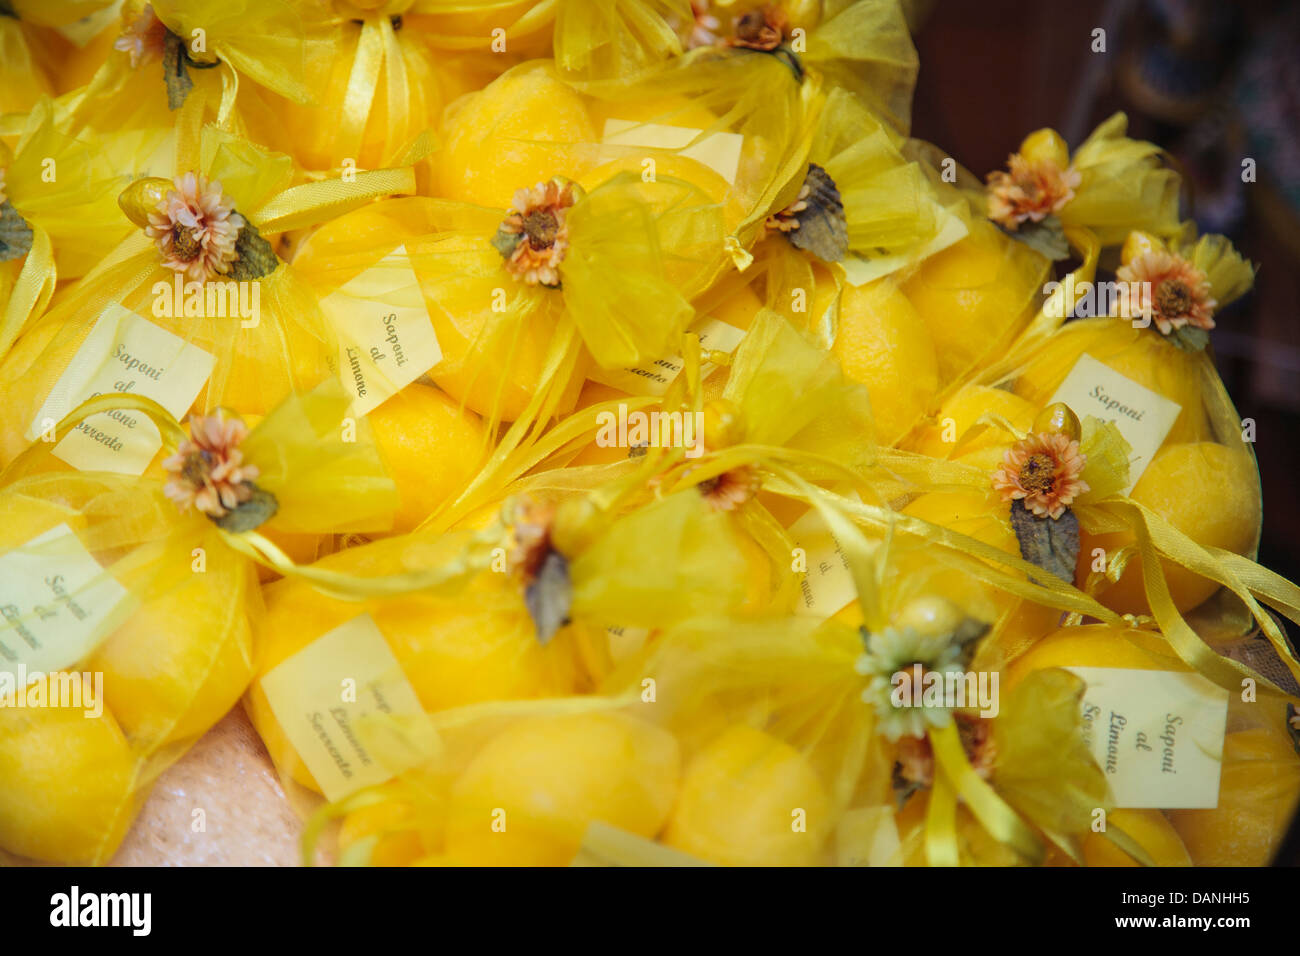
[(208, 469), (731, 489), (538, 216), (143, 37), (1043, 471), (196, 228), (1031, 190), (1167, 289), (760, 29)]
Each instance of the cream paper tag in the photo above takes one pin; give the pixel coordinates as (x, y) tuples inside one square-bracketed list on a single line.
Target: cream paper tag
[(1157, 735), (859, 270), (719, 151), (386, 336), (1142, 416), (127, 354), (57, 603), (827, 586), (654, 377), (332, 698)]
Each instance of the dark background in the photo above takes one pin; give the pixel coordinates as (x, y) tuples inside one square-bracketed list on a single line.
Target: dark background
[(1212, 81)]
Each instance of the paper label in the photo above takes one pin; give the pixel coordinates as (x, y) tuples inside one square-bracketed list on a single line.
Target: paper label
[(330, 698), (719, 151), (1157, 735), (127, 354), (57, 603), (386, 338), (827, 586), (654, 377), (1142, 416)]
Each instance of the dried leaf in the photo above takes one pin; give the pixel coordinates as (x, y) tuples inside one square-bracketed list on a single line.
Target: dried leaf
[(823, 227), (1046, 238), (505, 242), (15, 234), (1050, 543), (7, 9), (549, 596), (254, 256), (176, 71), (250, 514), (1189, 338)]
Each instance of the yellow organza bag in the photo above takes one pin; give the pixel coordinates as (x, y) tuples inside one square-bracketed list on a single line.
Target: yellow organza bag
[(139, 613), (178, 64), (26, 76), (58, 217), (197, 308), (381, 88), (592, 42), (1234, 799), (515, 610), (518, 321), (863, 46), (1189, 462)]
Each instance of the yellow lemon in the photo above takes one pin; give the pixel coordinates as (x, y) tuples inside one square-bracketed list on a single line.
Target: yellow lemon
[(1095, 645), (431, 448), (65, 782), (181, 661), (1258, 789), (1210, 493), (884, 344), (1149, 829), (738, 801), (522, 129), (975, 296), (527, 798)]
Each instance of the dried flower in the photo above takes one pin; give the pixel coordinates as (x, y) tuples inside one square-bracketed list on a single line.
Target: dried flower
[(538, 218), (760, 29), (1032, 190), (1044, 471), (208, 469), (905, 650), (915, 755), (705, 26), (787, 220), (731, 489), (196, 228), (1168, 290), (142, 37), (530, 524)]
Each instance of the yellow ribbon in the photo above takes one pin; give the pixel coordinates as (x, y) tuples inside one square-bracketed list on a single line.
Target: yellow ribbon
[(305, 205), (32, 290), (993, 813), (366, 65)]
